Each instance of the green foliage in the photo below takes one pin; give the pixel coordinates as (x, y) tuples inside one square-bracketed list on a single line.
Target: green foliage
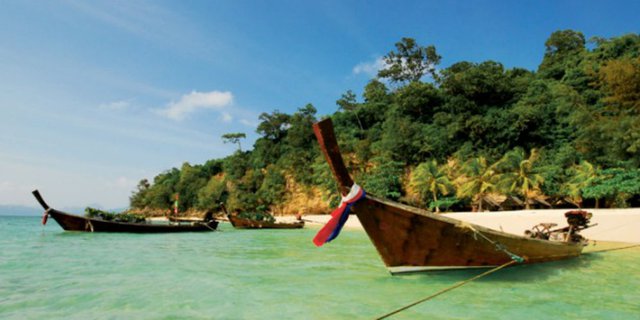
[(192, 180), (257, 216), (565, 49), (510, 131), (384, 179), (517, 174), (272, 189), (273, 126), (443, 204), (410, 62), (138, 197), (430, 181), (234, 138), (615, 184), (477, 181), (210, 196), (94, 213)]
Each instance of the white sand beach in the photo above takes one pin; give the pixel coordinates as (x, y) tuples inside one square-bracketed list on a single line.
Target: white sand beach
[(622, 225)]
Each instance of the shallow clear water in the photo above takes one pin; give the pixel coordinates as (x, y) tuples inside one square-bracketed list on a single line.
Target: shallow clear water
[(278, 274)]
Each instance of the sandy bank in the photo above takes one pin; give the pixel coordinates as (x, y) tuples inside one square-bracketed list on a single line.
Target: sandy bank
[(613, 224)]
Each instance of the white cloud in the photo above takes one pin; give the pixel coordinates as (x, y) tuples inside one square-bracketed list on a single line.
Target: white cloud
[(116, 105), (193, 101), (369, 68)]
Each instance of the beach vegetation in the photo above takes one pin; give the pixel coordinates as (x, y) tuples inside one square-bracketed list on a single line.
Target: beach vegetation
[(432, 181), (472, 135), (113, 216)]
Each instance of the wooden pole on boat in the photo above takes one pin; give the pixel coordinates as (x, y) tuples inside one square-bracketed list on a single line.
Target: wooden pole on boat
[(329, 146)]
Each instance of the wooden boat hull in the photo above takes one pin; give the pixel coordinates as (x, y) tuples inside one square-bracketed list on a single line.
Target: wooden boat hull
[(410, 239), (240, 223), (71, 222)]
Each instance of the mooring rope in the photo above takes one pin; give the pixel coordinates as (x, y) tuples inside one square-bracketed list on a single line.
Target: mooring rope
[(498, 245), (207, 225), (459, 284), (601, 231), (613, 249)]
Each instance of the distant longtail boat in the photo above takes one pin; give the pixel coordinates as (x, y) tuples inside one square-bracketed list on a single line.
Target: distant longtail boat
[(410, 239), (71, 222), (244, 223)]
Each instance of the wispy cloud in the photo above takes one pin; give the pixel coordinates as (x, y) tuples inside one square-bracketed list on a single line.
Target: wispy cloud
[(193, 101), (116, 105), (142, 18), (154, 22), (226, 117), (369, 68), (249, 123)]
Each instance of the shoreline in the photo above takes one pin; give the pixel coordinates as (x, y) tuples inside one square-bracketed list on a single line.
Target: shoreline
[(616, 225)]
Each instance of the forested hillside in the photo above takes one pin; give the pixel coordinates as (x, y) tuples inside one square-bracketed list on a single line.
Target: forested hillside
[(472, 136)]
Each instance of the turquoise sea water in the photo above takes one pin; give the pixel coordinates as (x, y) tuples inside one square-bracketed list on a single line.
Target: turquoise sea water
[(46, 273)]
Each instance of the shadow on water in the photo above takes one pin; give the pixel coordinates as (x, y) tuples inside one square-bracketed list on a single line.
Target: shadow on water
[(518, 273)]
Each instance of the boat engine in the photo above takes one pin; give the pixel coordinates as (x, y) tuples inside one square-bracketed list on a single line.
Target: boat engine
[(576, 219)]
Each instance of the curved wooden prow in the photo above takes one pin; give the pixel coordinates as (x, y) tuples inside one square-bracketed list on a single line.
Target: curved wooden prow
[(329, 146), (36, 194), (224, 209)]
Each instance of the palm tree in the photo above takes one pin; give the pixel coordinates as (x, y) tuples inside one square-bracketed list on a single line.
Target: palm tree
[(477, 181), (517, 174), (582, 176), (429, 179)]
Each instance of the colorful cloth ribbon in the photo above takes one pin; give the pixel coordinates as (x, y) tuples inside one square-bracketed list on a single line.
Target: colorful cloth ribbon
[(339, 216)]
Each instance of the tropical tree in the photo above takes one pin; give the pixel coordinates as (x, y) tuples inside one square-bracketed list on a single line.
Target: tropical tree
[(384, 178), (477, 181), (410, 62), (581, 176), (564, 50), (618, 185), (348, 103), (517, 174), (138, 197), (429, 179), (234, 138), (214, 192)]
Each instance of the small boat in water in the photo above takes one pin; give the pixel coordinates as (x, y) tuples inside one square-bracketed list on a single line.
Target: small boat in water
[(71, 222), (410, 239), (242, 223), (239, 222)]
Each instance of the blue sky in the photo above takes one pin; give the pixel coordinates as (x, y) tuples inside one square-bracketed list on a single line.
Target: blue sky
[(96, 95)]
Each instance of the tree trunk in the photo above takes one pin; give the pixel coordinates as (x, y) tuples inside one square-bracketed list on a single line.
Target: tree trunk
[(435, 199), (358, 118)]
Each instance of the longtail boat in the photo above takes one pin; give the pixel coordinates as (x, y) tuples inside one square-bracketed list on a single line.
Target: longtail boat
[(244, 223), (410, 239), (71, 222)]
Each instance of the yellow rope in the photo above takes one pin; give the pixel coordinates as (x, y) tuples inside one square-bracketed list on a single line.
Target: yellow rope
[(207, 225), (459, 284), (613, 249)]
